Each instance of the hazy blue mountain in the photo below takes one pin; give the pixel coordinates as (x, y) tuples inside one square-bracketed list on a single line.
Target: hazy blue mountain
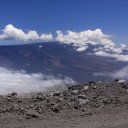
[(57, 59)]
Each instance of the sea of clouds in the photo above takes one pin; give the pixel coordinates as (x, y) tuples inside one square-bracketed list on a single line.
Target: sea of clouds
[(21, 82)]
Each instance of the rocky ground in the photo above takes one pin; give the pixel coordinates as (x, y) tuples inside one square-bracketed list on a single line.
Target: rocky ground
[(89, 105)]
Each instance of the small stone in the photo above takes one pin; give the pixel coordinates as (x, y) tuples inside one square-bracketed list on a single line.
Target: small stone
[(82, 114), (83, 101), (88, 113), (40, 110), (82, 96), (56, 109), (94, 87), (40, 97), (106, 101), (74, 92), (8, 98), (28, 117), (20, 119), (14, 94), (76, 106), (58, 124), (31, 105), (91, 82), (86, 87), (22, 110), (32, 114), (57, 93)]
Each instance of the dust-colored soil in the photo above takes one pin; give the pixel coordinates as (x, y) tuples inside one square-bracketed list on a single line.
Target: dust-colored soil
[(91, 105)]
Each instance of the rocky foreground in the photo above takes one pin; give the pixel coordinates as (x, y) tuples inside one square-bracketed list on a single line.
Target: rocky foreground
[(89, 105)]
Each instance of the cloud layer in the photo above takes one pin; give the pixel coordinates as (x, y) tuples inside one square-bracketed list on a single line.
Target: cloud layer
[(122, 74), (20, 82), (81, 41)]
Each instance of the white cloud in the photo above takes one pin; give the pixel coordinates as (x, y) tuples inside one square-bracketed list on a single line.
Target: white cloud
[(104, 45), (82, 48), (46, 36), (119, 57), (111, 49), (114, 52), (83, 38), (11, 32), (122, 73), (80, 40), (20, 82)]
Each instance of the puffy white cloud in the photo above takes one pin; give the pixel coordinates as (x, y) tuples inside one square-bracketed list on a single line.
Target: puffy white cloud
[(20, 82), (83, 38), (11, 32)]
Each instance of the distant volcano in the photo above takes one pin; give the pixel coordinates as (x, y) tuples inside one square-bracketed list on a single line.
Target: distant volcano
[(53, 58)]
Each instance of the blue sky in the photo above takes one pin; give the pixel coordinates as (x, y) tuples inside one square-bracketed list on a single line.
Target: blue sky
[(76, 15)]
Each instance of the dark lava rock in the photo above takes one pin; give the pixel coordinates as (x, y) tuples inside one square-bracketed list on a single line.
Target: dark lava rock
[(57, 93), (40, 97), (56, 108), (91, 82), (106, 101), (82, 96), (14, 94)]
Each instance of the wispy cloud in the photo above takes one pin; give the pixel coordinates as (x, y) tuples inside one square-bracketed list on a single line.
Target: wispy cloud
[(122, 73)]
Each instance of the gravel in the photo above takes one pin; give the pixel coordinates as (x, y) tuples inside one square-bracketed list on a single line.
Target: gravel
[(79, 106)]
